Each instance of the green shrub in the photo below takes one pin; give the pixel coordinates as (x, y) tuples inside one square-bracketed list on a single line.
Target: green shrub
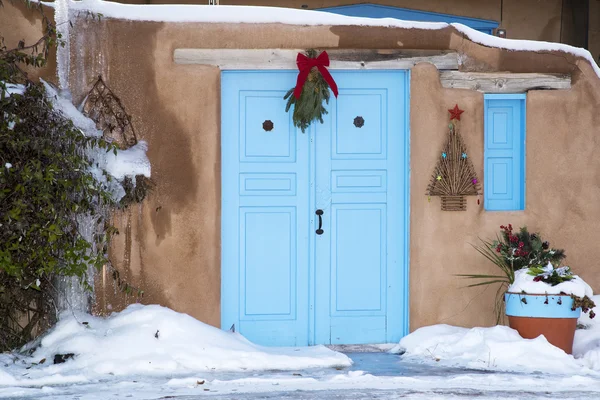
[(46, 186)]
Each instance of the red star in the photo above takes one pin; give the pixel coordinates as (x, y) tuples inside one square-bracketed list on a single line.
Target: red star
[(455, 113)]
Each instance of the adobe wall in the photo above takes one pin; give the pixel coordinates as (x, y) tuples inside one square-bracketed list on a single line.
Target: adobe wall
[(170, 245), (17, 22)]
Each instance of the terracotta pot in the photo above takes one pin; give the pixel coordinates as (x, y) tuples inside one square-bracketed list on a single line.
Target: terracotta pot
[(533, 315)]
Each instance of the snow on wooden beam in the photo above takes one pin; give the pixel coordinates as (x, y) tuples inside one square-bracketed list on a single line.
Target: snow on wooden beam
[(494, 82), (340, 58)]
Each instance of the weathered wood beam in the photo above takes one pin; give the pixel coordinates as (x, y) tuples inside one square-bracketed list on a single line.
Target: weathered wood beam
[(494, 82), (339, 58)]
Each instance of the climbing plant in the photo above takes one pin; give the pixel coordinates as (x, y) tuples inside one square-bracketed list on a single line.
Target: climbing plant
[(46, 188)]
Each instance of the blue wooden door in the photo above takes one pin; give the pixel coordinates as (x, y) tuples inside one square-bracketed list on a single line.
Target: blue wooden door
[(282, 283), (265, 216), (361, 187)]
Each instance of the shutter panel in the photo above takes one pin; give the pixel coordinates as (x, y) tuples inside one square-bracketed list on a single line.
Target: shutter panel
[(504, 153)]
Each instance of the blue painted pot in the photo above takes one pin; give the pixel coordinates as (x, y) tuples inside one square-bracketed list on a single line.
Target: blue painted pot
[(540, 306), (553, 316)]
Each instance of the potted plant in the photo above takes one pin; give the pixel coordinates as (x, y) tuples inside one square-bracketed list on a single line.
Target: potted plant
[(541, 297)]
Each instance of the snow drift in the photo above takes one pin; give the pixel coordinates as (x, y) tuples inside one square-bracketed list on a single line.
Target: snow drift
[(154, 340), (501, 348)]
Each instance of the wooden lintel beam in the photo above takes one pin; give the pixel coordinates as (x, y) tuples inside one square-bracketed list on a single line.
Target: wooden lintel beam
[(494, 82), (339, 58)]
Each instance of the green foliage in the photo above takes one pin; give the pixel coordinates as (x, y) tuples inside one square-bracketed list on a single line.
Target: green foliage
[(309, 107), (36, 55), (550, 275), (46, 188), (48, 185), (524, 249), (511, 252)]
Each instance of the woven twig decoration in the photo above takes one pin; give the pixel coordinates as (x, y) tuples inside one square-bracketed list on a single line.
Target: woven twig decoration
[(454, 175), (106, 109)]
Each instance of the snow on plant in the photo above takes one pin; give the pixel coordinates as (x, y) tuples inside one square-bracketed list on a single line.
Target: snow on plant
[(549, 274), (550, 280), (528, 264), (54, 195)]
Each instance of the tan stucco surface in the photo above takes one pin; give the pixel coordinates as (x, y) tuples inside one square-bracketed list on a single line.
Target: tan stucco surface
[(170, 245), (18, 22), (562, 184)]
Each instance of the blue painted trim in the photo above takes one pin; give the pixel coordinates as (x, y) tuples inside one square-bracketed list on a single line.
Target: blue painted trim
[(524, 155), (224, 289), (534, 306), (407, 175), (369, 10), (505, 96)]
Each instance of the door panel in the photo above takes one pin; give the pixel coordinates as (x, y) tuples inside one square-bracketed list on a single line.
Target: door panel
[(360, 186), (370, 140), (358, 236), (265, 218)]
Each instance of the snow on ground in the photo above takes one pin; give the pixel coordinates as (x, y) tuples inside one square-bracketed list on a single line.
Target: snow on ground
[(387, 374), (500, 348), (258, 14), (497, 348), (149, 340), (150, 352), (524, 283)]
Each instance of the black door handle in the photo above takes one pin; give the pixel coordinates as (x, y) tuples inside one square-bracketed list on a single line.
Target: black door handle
[(320, 213)]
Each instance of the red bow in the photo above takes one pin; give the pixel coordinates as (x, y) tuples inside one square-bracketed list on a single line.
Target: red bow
[(305, 64)]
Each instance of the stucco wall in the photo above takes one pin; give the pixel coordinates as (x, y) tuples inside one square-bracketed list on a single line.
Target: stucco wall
[(170, 245), (18, 22), (561, 185)]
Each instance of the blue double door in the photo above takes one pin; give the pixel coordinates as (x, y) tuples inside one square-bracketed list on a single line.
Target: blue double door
[(314, 225)]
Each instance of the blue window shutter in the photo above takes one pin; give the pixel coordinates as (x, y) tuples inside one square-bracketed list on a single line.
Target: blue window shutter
[(504, 152)]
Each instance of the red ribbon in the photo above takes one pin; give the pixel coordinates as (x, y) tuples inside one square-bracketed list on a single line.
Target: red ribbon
[(305, 64)]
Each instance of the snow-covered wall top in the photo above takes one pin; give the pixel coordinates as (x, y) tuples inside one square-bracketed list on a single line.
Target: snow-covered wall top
[(264, 15)]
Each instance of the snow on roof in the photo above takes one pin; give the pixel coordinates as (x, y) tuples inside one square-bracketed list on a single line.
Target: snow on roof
[(264, 15)]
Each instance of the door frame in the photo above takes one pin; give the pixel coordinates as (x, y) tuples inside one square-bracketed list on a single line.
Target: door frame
[(405, 273)]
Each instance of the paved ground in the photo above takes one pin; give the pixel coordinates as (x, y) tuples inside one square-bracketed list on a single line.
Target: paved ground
[(376, 376)]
